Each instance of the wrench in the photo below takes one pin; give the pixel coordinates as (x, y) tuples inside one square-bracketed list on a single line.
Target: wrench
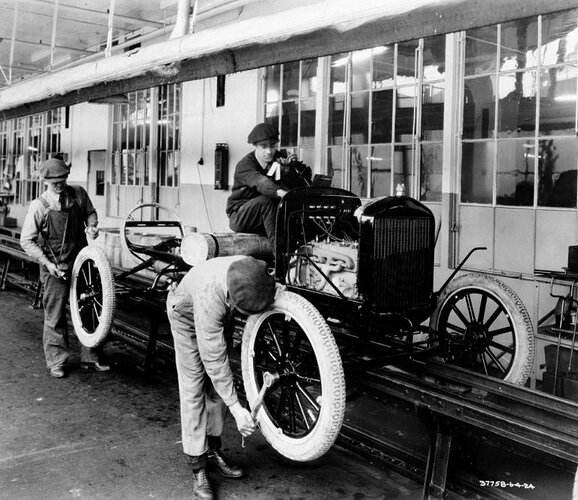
[(268, 380)]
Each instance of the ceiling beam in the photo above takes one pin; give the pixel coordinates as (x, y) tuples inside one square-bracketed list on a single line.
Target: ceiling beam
[(58, 47), (103, 15)]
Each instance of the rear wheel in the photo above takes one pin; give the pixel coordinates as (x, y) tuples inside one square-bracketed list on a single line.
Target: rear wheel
[(482, 325), (92, 296), (302, 412)]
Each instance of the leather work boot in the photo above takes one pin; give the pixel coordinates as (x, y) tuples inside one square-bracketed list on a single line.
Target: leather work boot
[(99, 367), (201, 486), (57, 372), (217, 462)]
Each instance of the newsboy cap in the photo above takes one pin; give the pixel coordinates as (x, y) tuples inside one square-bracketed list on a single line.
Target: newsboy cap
[(53, 169), (250, 286), (263, 132)]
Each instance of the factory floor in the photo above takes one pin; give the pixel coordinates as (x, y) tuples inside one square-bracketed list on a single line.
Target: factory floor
[(116, 435)]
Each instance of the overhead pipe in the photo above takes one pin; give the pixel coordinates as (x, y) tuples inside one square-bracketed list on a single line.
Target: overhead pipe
[(183, 15)]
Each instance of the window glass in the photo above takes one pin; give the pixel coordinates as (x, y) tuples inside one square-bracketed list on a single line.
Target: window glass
[(291, 80), (431, 172), (477, 172), (406, 62), (557, 172), (519, 43), (481, 50), (479, 105), (359, 118), (406, 101), (558, 101), (515, 173), (380, 161), (517, 104), (381, 118), (434, 57), (273, 83), (432, 109), (360, 70), (383, 67), (536, 108), (358, 171), (336, 122), (559, 38), (337, 74), (309, 78), (289, 124), (307, 124), (335, 165)]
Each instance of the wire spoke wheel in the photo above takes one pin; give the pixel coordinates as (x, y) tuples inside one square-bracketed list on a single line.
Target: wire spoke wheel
[(482, 325), (92, 296), (303, 410), (294, 402)]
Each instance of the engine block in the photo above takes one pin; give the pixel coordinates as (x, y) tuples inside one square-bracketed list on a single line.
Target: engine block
[(325, 266)]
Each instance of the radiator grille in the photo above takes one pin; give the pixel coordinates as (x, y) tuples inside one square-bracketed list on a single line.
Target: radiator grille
[(401, 262)]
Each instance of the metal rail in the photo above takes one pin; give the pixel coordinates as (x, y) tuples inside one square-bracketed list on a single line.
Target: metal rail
[(535, 423)]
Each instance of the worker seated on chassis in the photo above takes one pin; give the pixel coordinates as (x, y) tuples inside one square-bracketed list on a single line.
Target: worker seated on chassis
[(262, 178)]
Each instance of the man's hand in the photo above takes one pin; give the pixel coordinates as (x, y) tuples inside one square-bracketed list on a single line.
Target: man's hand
[(54, 271), (242, 417), (281, 192)]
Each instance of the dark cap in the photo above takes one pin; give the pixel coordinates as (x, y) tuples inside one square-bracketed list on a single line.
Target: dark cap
[(250, 286), (53, 169), (263, 132)]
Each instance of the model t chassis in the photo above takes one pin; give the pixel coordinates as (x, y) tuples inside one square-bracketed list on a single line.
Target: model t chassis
[(359, 295)]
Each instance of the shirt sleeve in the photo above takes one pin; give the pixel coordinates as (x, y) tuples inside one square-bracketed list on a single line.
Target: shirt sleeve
[(31, 232), (86, 204), (248, 174), (210, 312)]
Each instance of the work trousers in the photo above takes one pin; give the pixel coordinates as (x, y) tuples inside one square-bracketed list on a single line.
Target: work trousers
[(258, 215), (55, 334), (202, 409)]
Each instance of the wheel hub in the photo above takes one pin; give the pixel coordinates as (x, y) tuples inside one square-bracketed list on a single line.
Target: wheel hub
[(476, 336)]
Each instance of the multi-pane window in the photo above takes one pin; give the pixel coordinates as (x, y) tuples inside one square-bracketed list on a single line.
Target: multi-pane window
[(290, 105), (519, 144), (169, 130), (24, 143), (131, 133), (385, 119)]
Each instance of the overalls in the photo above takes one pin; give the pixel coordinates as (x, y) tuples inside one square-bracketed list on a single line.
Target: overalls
[(63, 238)]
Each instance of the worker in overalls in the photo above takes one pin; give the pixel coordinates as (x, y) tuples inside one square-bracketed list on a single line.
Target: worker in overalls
[(199, 310), (55, 229)]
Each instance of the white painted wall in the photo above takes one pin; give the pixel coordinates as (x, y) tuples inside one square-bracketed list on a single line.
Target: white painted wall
[(204, 125), (89, 127)]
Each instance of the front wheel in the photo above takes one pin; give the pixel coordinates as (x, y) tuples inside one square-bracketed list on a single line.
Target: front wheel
[(482, 325), (303, 411), (92, 296)]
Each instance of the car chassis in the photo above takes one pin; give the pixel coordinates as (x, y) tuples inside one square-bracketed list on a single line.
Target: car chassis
[(358, 293)]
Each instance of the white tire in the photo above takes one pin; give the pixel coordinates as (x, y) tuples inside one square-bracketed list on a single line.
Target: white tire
[(482, 325), (303, 411), (92, 296)]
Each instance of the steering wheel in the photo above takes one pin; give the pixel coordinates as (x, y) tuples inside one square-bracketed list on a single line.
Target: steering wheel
[(158, 249)]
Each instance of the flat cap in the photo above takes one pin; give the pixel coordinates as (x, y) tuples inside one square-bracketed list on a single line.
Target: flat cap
[(263, 132), (53, 169), (250, 286)]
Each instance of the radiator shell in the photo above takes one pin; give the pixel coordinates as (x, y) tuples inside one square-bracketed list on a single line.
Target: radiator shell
[(396, 257)]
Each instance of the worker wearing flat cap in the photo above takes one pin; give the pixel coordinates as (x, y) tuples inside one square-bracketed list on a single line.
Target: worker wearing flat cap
[(55, 229), (257, 189), (199, 309)]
